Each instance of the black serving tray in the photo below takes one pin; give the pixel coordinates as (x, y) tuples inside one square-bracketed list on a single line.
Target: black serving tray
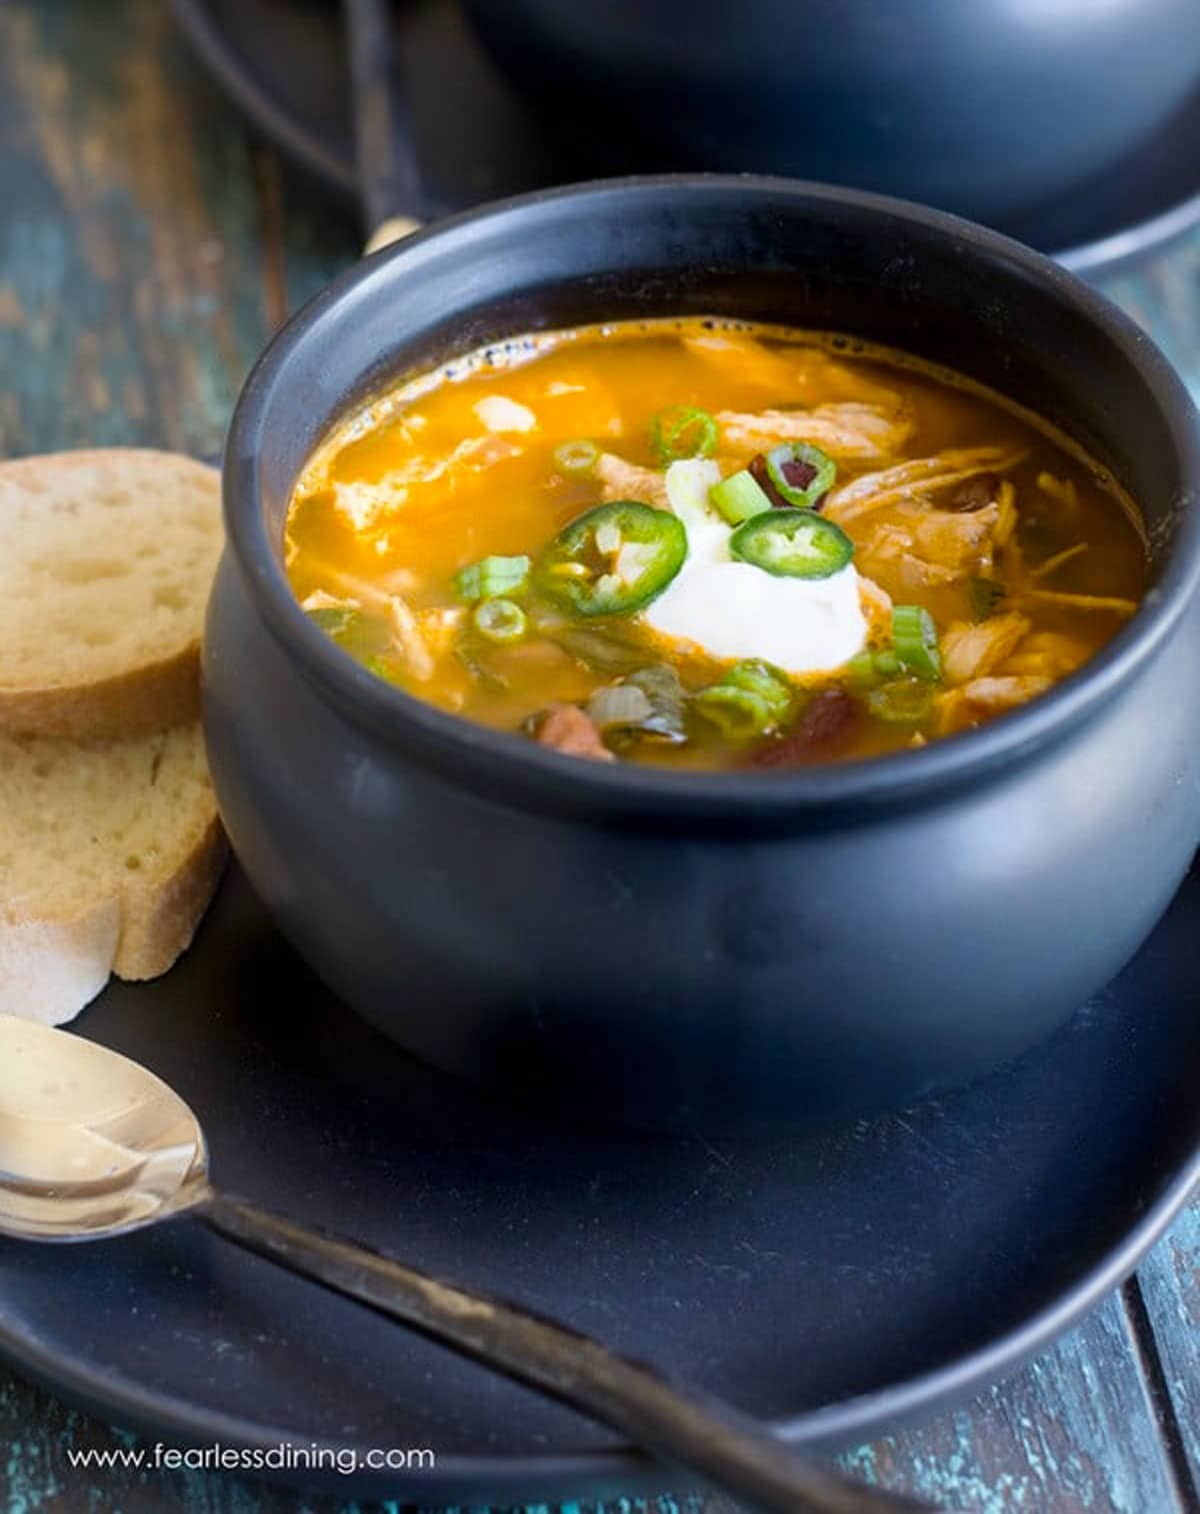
[(839, 1286)]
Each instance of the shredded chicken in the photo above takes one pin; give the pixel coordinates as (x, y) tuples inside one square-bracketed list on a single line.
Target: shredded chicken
[(408, 638), (1061, 489), (622, 480), (1116, 606), (851, 431), (1048, 654), (357, 592), (955, 541), (320, 600), (961, 708), (818, 371), (919, 476), (569, 729), (1052, 564), (364, 505), (916, 573), (918, 547), (743, 357), (795, 374), (439, 627), (969, 651), (995, 694), (1006, 514)]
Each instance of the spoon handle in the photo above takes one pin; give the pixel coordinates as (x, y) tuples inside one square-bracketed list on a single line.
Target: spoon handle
[(721, 1445)]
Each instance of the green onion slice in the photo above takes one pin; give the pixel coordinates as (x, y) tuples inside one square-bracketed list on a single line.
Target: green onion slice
[(762, 679), (683, 431), (792, 544), (500, 620), (751, 699), (612, 560), (904, 701), (492, 578), (800, 473), (739, 497), (860, 672), (915, 641), (737, 713), (869, 668), (578, 456)]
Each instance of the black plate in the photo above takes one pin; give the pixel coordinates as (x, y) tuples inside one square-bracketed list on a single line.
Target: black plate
[(839, 1286), (284, 62)]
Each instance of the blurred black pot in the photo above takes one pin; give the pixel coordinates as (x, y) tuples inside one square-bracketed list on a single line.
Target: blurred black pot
[(979, 106)]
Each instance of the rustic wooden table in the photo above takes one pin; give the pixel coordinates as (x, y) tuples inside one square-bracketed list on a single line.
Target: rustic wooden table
[(148, 247)]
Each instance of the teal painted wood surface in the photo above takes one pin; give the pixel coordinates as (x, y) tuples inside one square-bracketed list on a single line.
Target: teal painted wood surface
[(1169, 1282), (148, 246)]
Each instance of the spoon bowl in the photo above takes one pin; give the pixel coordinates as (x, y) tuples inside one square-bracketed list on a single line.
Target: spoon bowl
[(91, 1144)]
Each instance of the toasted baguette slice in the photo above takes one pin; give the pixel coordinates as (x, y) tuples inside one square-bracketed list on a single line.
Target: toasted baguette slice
[(110, 852), (106, 560)]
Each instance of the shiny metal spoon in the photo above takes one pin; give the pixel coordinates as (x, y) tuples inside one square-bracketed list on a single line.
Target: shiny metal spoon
[(92, 1146)]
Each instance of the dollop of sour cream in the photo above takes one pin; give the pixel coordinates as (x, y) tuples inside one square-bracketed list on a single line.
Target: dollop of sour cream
[(734, 610)]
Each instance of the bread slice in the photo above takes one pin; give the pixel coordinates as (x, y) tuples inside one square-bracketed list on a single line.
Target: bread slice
[(106, 560), (110, 851)]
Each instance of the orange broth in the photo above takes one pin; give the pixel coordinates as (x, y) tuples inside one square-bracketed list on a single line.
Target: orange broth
[(1024, 555)]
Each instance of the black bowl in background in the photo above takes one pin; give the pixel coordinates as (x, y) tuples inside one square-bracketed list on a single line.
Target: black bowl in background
[(979, 106), (727, 948)]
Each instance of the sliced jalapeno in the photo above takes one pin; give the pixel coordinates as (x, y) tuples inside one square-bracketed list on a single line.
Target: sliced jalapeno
[(613, 559), (792, 544), (801, 474)]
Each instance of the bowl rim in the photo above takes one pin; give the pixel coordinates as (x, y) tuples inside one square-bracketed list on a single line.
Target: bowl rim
[(525, 775)]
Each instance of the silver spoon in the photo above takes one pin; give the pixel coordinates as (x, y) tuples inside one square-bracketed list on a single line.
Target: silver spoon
[(92, 1146)]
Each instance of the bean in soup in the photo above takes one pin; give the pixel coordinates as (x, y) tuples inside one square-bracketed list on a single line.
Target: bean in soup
[(710, 546)]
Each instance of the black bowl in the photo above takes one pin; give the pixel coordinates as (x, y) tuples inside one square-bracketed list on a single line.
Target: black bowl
[(980, 106), (671, 948)]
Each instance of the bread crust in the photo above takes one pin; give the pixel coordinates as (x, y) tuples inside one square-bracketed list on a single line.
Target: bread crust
[(133, 703), (159, 919), (150, 696)]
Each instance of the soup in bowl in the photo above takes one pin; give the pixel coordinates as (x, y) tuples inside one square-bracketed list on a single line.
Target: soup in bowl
[(701, 544), (733, 916)]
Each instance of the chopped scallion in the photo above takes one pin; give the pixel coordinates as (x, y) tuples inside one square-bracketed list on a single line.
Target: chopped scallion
[(915, 641), (492, 578), (749, 700), (739, 496), (683, 431), (762, 679), (500, 620), (738, 713), (904, 701), (860, 671), (870, 668)]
